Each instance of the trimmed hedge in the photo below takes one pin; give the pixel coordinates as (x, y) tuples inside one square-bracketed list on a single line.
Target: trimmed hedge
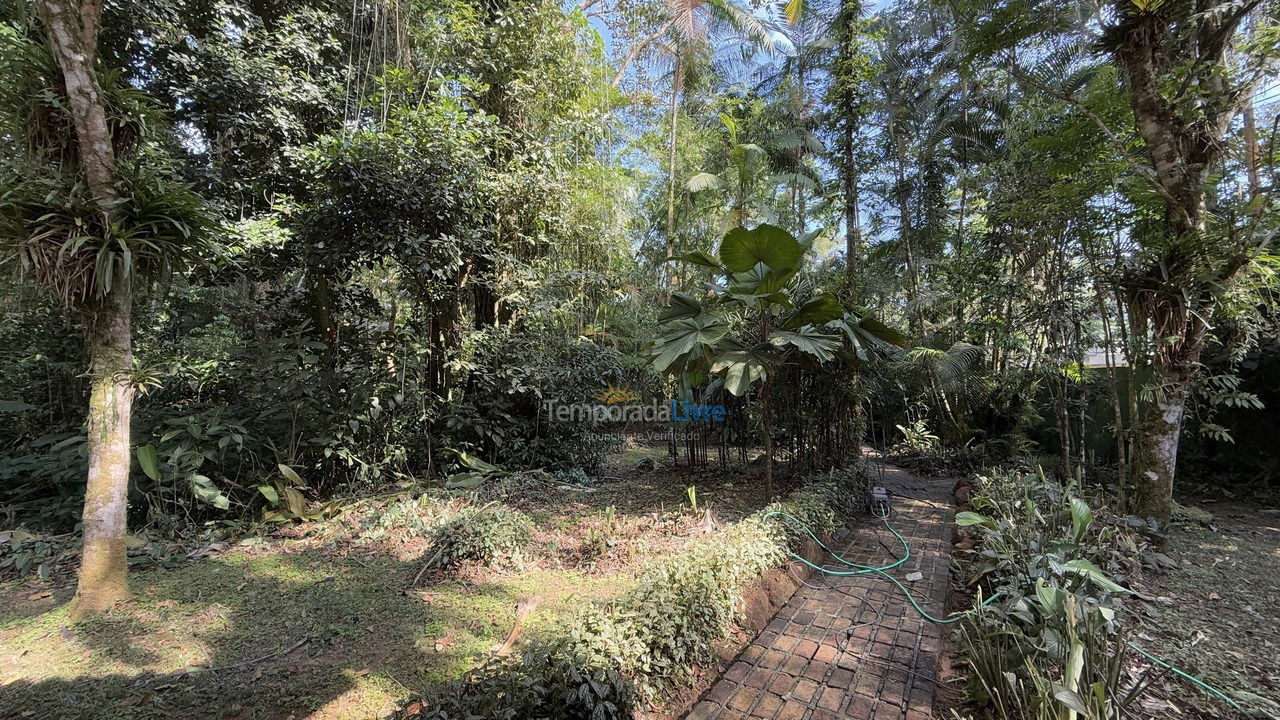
[(651, 638)]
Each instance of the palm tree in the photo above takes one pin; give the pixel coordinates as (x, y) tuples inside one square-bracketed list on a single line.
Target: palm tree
[(686, 23), (749, 176)]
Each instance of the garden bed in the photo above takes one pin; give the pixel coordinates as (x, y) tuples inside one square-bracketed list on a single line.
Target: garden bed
[(1126, 598)]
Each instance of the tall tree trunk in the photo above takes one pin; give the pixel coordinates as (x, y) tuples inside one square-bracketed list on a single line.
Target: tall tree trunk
[(1184, 142), (1158, 453), (849, 116), (852, 223), (73, 36), (676, 85), (103, 579)]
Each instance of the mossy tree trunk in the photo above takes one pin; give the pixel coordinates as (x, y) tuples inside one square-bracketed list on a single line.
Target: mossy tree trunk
[(103, 581), (1184, 137), (73, 36)]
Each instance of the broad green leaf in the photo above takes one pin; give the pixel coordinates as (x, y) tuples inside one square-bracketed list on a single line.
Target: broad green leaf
[(742, 249), (290, 475), (1081, 518), (1096, 576), (148, 461), (682, 306), (206, 491), (295, 501), (969, 518), (821, 309), (1049, 596), (14, 406), (686, 338), (269, 493), (476, 463), (1071, 699), (762, 283), (465, 480), (741, 368), (823, 347)]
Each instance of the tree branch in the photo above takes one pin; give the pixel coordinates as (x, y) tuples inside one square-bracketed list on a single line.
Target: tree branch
[(1148, 173), (638, 48)]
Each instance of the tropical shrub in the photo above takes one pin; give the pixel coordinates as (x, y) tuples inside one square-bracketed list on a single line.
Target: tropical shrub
[(916, 438), (490, 534), (1051, 646)]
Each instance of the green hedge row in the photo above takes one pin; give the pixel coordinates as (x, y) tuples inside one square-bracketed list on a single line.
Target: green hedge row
[(651, 638)]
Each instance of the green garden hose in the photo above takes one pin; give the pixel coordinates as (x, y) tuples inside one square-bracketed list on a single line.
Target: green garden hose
[(906, 555), (1179, 673), (866, 569)]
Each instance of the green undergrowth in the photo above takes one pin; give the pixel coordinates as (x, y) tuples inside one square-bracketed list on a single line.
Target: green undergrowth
[(1052, 647), (611, 657), (207, 637), (490, 535), (458, 529)]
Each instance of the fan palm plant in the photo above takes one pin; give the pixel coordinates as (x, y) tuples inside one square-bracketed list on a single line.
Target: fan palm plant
[(753, 322)]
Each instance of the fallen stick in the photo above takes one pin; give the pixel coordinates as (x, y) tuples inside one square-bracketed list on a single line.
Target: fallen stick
[(430, 562), (255, 661), (523, 608)]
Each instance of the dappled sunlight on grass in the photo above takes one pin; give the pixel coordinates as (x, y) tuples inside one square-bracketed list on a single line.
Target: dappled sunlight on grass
[(365, 642), (331, 624)]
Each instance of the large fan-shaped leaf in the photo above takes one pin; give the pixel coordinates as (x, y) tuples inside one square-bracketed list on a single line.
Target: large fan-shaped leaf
[(682, 306), (741, 367), (704, 181), (808, 341), (821, 309), (687, 338), (743, 249), (762, 282)]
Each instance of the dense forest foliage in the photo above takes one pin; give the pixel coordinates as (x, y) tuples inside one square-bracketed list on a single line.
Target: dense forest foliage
[(266, 255)]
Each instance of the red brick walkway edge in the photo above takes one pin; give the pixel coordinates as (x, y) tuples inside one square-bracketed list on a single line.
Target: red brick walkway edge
[(852, 647)]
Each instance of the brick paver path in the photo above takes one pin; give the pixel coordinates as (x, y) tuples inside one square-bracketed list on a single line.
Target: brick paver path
[(852, 647)]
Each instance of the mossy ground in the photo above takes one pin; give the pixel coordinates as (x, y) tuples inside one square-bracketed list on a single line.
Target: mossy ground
[(371, 641)]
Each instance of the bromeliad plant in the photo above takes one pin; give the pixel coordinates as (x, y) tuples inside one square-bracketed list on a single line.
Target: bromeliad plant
[(755, 317)]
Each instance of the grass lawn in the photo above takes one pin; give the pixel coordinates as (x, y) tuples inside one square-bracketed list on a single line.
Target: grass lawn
[(1216, 614), (208, 639)]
